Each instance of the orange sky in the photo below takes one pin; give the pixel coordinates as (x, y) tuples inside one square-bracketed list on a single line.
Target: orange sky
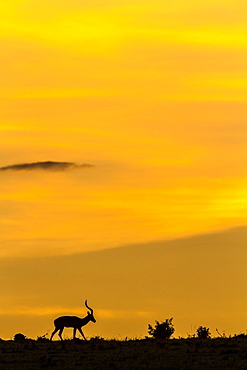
[(153, 96)]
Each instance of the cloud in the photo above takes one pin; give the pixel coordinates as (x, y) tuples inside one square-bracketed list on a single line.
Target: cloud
[(47, 166)]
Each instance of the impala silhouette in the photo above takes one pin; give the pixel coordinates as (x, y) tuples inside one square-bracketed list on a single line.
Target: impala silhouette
[(72, 322)]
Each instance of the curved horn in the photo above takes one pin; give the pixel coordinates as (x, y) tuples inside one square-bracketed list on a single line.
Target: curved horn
[(90, 309)]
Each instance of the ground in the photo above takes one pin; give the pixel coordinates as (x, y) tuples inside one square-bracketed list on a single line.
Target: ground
[(97, 353)]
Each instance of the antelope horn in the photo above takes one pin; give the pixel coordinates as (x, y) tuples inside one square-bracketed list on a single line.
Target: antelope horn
[(91, 310)]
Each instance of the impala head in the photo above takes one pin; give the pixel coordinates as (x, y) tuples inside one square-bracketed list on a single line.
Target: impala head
[(90, 312)]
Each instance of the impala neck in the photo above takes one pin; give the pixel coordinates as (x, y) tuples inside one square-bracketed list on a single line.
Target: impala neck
[(85, 320)]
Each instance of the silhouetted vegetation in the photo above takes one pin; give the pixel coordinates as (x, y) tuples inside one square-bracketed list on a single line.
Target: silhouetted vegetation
[(43, 338), (203, 332), (99, 353), (162, 330), (198, 351), (19, 337)]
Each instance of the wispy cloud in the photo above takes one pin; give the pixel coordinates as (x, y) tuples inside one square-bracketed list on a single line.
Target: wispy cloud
[(58, 310), (47, 166)]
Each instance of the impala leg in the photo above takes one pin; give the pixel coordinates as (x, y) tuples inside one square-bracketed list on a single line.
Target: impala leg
[(82, 333), (53, 333), (60, 333), (74, 333)]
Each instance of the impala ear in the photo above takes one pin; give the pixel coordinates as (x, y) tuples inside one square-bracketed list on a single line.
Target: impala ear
[(88, 312)]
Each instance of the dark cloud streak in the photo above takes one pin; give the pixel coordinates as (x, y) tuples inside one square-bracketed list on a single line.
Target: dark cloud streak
[(47, 166)]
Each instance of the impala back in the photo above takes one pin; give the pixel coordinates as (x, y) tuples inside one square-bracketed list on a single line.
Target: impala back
[(67, 321)]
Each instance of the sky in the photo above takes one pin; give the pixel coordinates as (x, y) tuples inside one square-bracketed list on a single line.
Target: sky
[(123, 165)]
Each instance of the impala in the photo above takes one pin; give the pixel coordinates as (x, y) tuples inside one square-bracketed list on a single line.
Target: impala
[(72, 322)]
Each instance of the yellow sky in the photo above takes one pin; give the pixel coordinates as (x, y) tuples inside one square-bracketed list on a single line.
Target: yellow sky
[(153, 96)]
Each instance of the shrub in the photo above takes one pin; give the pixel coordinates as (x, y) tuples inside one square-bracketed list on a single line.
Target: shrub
[(43, 338), (162, 330), (19, 337), (203, 332)]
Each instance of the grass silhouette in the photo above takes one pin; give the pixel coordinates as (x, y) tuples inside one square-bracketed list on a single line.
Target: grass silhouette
[(148, 353)]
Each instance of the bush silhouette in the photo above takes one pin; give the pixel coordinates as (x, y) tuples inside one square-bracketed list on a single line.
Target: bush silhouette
[(203, 332), (162, 330), (19, 337), (43, 338)]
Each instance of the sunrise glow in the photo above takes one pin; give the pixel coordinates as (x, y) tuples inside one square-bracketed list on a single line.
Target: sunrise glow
[(147, 101)]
